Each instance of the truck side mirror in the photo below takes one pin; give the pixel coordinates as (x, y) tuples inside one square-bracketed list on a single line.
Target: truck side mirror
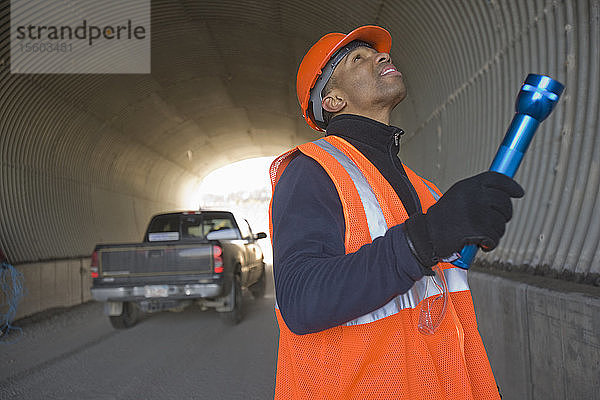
[(260, 235)]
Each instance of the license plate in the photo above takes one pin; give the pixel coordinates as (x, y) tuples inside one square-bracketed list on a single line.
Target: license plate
[(156, 291)]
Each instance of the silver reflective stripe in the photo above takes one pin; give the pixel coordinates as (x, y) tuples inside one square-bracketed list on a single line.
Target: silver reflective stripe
[(409, 299), (375, 218), (456, 278)]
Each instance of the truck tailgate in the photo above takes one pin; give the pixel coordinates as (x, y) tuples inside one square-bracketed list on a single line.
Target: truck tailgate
[(155, 259)]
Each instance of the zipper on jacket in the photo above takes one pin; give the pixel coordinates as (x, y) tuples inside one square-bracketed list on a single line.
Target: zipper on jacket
[(411, 189)]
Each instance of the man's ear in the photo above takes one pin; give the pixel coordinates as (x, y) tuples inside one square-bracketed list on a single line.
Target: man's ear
[(333, 103)]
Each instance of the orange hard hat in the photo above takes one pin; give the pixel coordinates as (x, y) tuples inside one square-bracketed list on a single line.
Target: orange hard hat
[(313, 66)]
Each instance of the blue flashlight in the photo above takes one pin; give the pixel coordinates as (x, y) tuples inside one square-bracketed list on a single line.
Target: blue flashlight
[(536, 100)]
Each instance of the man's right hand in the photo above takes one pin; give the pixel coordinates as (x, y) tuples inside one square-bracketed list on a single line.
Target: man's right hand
[(473, 211)]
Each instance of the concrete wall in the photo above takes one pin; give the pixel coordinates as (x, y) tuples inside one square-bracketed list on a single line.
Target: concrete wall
[(51, 284), (542, 337)]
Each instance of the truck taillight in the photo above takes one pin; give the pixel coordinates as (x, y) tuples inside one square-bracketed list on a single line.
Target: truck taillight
[(94, 265), (218, 259)]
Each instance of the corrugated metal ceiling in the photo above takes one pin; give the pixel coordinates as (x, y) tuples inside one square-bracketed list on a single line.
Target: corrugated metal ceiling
[(86, 158)]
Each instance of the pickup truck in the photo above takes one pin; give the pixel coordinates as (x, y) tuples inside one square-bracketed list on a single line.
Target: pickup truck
[(203, 257)]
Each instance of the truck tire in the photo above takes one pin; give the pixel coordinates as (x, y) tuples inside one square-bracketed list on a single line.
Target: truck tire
[(234, 316), (128, 317), (259, 288)]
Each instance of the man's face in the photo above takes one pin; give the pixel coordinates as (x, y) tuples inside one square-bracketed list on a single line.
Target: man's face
[(367, 79)]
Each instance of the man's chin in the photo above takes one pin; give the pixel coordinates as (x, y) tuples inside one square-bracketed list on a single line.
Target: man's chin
[(399, 96)]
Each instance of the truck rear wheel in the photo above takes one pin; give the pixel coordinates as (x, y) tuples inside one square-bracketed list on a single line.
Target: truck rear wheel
[(259, 288), (128, 317), (234, 316)]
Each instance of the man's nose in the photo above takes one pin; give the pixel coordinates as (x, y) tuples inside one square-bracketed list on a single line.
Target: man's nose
[(382, 57)]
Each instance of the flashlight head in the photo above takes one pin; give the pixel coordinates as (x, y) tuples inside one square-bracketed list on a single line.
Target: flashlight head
[(538, 96)]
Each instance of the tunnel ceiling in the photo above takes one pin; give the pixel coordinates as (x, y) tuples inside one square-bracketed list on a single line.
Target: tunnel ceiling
[(227, 69), (219, 87), (97, 154)]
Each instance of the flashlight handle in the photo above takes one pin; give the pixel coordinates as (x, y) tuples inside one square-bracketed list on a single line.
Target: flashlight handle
[(507, 161)]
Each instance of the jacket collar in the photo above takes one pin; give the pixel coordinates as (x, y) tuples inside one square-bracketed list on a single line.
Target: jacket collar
[(364, 130)]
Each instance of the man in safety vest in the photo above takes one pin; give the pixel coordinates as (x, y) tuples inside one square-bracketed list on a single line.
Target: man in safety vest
[(368, 304)]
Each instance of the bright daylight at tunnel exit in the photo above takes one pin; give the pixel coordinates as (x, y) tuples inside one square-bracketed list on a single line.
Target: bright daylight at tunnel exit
[(283, 200), (243, 187)]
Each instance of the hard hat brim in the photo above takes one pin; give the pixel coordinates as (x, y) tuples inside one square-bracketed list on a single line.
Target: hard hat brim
[(376, 36)]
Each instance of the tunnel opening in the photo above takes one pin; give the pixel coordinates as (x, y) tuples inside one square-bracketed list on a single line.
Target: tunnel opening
[(242, 187)]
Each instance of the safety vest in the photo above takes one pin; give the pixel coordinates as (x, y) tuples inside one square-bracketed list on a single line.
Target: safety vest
[(382, 355)]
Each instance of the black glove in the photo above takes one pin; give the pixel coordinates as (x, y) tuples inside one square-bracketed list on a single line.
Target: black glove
[(473, 211)]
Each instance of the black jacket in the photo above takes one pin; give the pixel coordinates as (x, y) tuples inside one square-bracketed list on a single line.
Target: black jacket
[(317, 285)]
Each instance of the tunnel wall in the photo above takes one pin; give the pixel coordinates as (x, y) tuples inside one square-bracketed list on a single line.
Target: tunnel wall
[(463, 80), (70, 181), (541, 338), (54, 284)]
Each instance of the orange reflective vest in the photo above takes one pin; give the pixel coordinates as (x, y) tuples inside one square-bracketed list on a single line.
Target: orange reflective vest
[(382, 355)]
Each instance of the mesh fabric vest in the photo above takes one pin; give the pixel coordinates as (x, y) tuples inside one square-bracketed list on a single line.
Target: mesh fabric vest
[(381, 355)]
